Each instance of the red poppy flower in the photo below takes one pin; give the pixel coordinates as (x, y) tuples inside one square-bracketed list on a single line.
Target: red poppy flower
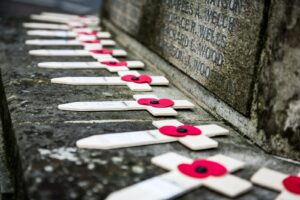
[(91, 41), (101, 51), (114, 63), (87, 33), (179, 131), (202, 169), (292, 184), (157, 103), (137, 79)]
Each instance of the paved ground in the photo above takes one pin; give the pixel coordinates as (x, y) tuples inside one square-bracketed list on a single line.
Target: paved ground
[(53, 168)]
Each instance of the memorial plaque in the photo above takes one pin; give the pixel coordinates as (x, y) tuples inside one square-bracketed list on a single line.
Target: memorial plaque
[(215, 42)]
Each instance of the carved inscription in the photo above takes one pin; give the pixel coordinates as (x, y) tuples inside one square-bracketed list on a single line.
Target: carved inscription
[(213, 41)]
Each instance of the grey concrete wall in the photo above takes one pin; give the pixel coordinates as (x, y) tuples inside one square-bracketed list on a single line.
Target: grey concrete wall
[(278, 83)]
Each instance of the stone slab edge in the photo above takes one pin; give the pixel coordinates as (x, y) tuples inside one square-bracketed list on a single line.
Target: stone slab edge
[(9, 159)]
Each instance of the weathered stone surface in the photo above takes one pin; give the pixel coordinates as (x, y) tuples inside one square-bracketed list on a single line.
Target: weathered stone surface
[(53, 168), (214, 42), (279, 80), (6, 187)]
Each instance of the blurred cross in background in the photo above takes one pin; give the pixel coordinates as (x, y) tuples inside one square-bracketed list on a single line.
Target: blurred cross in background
[(26, 7)]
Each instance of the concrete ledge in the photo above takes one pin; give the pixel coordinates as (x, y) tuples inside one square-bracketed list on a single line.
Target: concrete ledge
[(7, 150)]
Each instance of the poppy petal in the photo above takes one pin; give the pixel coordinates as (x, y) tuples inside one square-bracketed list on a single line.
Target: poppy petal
[(145, 101), (160, 103), (163, 103), (202, 169), (101, 51), (175, 132), (139, 79), (87, 33), (171, 131), (191, 130), (114, 63), (292, 184), (91, 41)]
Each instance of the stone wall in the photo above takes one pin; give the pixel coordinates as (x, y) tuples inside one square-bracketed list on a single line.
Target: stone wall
[(6, 148), (243, 54), (278, 105), (214, 43)]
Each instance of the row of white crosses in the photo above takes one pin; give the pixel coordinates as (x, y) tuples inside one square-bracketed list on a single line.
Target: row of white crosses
[(81, 28), (185, 174)]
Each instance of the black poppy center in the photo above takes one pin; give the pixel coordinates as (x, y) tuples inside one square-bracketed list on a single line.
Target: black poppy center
[(201, 169), (112, 62), (154, 102), (135, 78), (182, 130)]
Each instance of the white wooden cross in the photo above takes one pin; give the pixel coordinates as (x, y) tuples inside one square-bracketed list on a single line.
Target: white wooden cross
[(89, 43), (60, 15), (102, 53), (175, 183), (88, 20), (63, 34), (63, 15), (129, 105), (109, 63), (52, 26), (35, 25), (157, 136), (132, 79), (274, 180)]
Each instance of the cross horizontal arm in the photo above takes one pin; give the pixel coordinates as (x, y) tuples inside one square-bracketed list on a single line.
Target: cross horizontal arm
[(172, 122), (212, 130), (170, 160), (231, 164), (269, 178), (198, 142), (228, 185), (285, 195)]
